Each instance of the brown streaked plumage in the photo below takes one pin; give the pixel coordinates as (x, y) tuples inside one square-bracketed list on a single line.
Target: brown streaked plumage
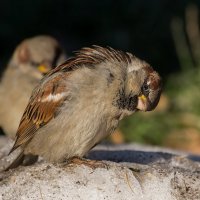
[(39, 111), (31, 59), (93, 56), (81, 101)]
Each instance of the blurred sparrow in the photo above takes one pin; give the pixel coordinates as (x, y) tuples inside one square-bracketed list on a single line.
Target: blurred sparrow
[(82, 101), (31, 60)]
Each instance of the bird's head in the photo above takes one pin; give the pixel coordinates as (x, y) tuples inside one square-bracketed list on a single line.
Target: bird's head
[(145, 83), (37, 55)]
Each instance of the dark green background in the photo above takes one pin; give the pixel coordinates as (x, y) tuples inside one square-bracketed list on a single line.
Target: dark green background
[(138, 26)]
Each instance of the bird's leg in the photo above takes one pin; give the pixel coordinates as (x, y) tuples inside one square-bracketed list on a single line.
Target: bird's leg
[(89, 163)]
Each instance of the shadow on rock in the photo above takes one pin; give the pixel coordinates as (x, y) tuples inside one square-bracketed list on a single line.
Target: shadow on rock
[(194, 158), (131, 156)]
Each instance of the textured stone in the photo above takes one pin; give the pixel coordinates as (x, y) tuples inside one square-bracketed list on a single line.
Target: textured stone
[(133, 172)]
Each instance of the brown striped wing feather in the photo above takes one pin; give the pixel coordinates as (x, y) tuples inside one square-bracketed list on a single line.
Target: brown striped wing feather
[(43, 105)]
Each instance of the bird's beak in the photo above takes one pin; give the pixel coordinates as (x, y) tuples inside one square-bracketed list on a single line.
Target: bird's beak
[(142, 103), (43, 69)]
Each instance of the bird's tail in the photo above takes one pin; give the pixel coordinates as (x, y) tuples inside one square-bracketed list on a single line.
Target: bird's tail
[(18, 161), (22, 159)]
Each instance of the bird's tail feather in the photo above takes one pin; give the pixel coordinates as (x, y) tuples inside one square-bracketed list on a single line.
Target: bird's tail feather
[(22, 159), (18, 161)]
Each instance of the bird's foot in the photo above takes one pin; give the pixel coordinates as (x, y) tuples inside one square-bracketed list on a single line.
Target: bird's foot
[(89, 163)]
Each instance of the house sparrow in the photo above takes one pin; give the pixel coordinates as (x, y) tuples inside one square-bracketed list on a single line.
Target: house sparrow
[(31, 60), (80, 102)]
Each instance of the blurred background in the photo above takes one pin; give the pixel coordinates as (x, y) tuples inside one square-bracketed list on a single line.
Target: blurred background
[(165, 33)]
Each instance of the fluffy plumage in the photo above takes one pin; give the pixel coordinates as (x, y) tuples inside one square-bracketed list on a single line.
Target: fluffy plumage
[(80, 102), (31, 60)]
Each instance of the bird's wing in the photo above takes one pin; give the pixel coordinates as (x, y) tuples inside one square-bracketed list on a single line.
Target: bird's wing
[(43, 105)]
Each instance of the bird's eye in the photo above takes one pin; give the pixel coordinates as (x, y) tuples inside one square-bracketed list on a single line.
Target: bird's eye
[(145, 88), (35, 64)]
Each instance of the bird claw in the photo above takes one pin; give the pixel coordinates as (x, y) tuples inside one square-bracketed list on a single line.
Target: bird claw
[(89, 163)]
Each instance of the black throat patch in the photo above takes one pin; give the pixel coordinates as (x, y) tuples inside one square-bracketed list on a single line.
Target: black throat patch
[(128, 102)]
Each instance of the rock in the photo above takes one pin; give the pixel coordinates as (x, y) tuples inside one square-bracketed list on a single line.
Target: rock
[(132, 172)]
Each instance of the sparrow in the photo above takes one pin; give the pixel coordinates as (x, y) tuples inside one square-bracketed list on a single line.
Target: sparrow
[(32, 59), (81, 101)]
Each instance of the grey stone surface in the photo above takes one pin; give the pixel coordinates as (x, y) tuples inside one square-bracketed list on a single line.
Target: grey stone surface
[(133, 172)]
